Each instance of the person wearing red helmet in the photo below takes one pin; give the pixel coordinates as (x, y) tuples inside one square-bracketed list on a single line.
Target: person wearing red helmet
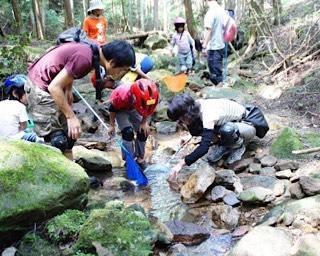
[(130, 106), (185, 45)]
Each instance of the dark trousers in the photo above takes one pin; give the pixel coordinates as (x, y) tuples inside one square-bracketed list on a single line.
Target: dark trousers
[(215, 59)]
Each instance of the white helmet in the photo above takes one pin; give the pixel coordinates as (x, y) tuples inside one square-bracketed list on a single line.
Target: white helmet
[(95, 4)]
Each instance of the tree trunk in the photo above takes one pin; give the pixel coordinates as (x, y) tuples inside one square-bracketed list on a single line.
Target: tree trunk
[(17, 14), (156, 14), (69, 18), (37, 19), (277, 12), (189, 16), (142, 14), (125, 19)]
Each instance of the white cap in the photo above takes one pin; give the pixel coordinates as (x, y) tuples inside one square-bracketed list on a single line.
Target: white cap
[(95, 4)]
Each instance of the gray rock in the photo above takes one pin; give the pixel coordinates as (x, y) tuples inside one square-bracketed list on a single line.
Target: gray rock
[(224, 216), (241, 165), (268, 171), (166, 127), (258, 181), (264, 241), (210, 92), (308, 245), (268, 161), (231, 199), (10, 251), (310, 186), (286, 164), (154, 42), (257, 195), (218, 192), (187, 233), (178, 250), (296, 191), (226, 178), (255, 168)]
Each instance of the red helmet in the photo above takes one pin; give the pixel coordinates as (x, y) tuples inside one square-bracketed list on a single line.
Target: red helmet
[(179, 20), (146, 95)]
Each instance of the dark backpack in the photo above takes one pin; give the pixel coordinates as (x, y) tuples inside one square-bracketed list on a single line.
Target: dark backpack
[(255, 116), (78, 35)]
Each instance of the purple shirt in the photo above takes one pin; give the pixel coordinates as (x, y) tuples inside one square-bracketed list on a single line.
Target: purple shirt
[(76, 58), (183, 41)]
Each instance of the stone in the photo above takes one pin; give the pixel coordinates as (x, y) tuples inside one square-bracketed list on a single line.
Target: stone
[(310, 186), (258, 181), (226, 178), (119, 228), (241, 165), (178, 250), (257, 195), (231, 199), (154, 42), (286, 164), (217, 193), (37, 182), (197, 184), (296, 191), (224, 216), (285, 174), (255, 168), (268, 171), (166, 127), (279, 188), (308, 245), (240, 231), (268, 161), (90, 161), (264, 241), (187, 233), (10, 251), (211, 92)]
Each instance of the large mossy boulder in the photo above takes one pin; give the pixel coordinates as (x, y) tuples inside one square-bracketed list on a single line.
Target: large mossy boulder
[(36, 183), (155, 41), (227, 93), (120, 230)]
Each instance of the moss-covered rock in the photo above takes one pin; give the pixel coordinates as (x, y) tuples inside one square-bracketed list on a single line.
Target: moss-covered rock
[(122, 231), (285, 143), (65, 227), (36, 183), (155, 42), (34, 245), (227, 93)]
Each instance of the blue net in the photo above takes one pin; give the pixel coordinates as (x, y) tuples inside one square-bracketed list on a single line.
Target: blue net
[(134, 172)]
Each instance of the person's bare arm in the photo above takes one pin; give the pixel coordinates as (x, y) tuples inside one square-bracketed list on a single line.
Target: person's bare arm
[(57, 89), (141, 73), (207, 35)]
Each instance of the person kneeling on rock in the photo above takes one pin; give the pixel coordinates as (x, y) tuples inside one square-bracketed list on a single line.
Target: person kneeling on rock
[(220, 121)]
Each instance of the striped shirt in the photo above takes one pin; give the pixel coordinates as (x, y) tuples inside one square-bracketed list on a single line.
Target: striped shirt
[(220, 111)]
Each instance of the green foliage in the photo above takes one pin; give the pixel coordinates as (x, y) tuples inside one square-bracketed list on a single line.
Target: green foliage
[(34, 245), (312, 139), (121, 231), (65, 227), (286, 142), (13, 56)]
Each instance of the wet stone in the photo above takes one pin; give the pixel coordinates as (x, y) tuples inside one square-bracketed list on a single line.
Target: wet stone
[(166, 127), (268, 161), (258, 181), (257, 195), (178, 250), (187, 233), (231, 199), (226, 178), (224, 216), (240, 231)]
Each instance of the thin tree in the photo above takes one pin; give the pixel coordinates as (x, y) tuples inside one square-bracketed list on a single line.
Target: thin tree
[(69, 18), (17, 14), (37, 19), (277, 12), (156, 14), (189, 17)]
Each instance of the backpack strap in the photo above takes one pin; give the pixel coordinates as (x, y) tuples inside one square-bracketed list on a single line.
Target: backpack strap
[(96, 66)]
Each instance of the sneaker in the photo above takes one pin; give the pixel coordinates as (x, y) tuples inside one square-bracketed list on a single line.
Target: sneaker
[(236, 155), (217, 153), (143, 165)]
